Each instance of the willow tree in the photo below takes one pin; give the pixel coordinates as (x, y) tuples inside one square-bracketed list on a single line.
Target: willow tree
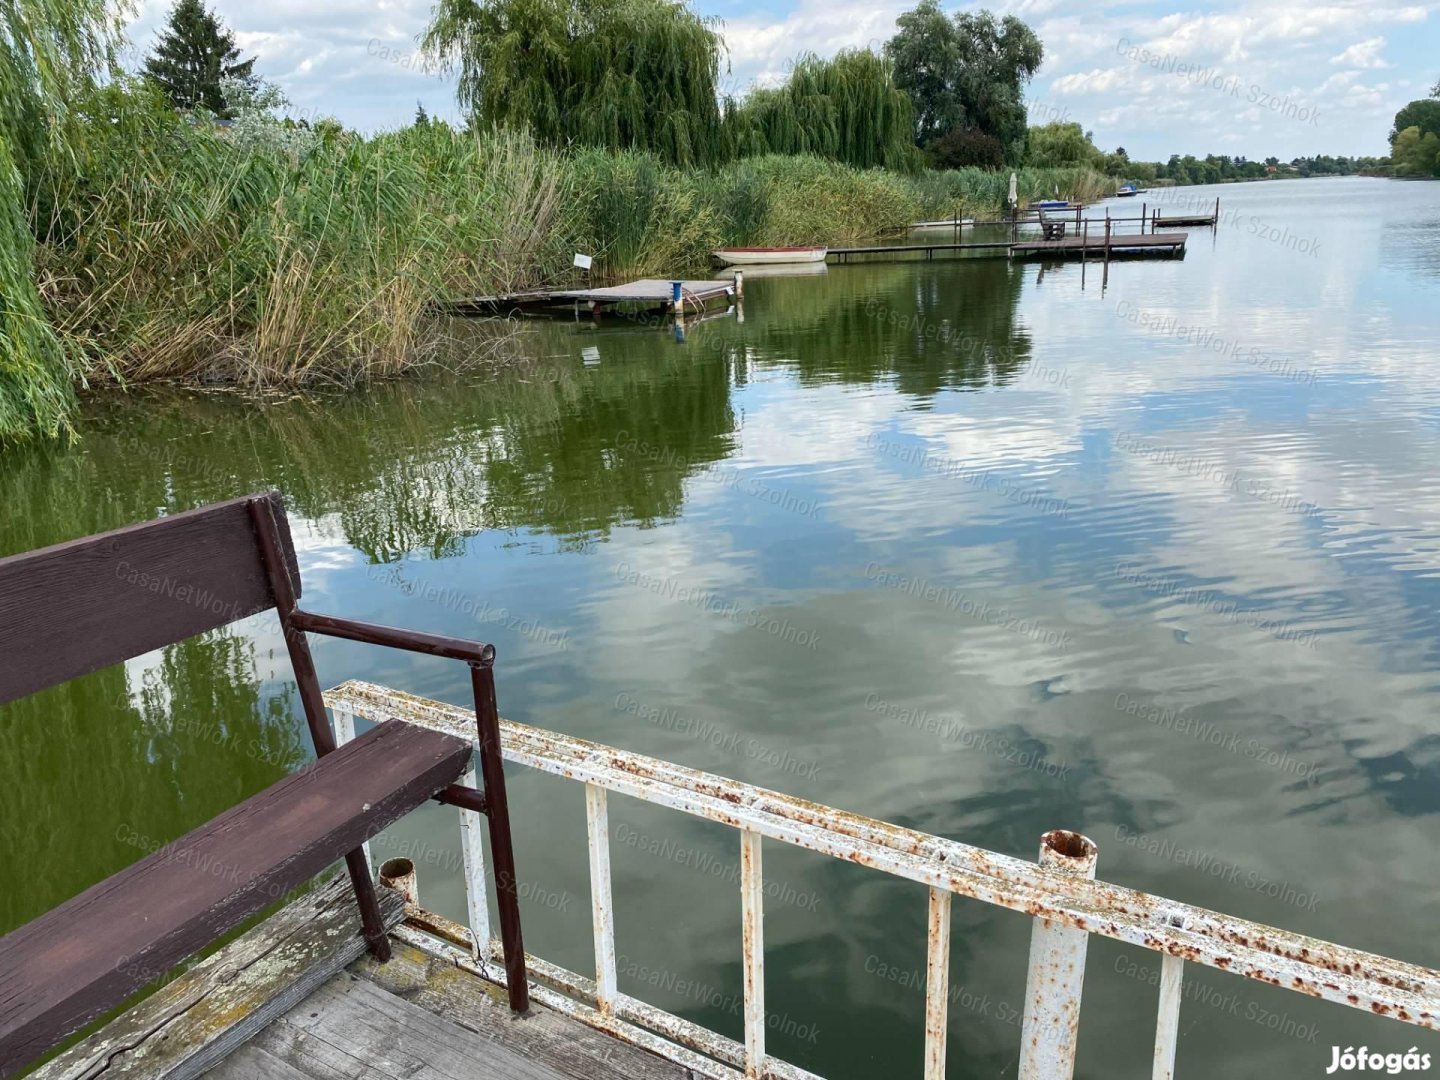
[(620, 74), (846, 109), (49, 52)]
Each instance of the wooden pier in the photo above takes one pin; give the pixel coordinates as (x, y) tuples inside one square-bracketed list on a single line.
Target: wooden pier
[(1150, 244), (1082, 246), (1181, 221), (647, 292)]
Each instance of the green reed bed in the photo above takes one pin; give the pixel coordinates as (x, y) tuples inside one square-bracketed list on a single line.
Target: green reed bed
[(173, 250)]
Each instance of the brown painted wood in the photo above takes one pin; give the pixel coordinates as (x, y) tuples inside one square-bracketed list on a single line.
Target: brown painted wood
[(74, 963), (79, 606)]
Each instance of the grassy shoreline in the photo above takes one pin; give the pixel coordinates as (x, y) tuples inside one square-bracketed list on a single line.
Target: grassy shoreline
[(173, 252)]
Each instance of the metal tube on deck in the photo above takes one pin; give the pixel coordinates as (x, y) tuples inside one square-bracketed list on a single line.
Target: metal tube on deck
[(399, 874), (1057, 970)]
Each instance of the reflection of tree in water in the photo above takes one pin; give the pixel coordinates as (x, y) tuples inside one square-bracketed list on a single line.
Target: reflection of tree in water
[(99, 771), (951, 327), (410, 466)]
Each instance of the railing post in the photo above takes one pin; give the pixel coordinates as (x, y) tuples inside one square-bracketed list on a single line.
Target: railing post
[(1167, 1022), (752, 918), (472, 854), (1057, 971), (597, 820), (937, 984), (502, 846)]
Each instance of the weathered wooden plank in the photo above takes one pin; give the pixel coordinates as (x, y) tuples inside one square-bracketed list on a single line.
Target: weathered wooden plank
[(189, 1025), (255, 1064), (83, 605), (351, 1029), (75, 962), (568, 1047)]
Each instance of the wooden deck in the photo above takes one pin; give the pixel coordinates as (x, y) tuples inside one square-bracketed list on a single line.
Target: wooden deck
[(298, 998), (418, 1018)]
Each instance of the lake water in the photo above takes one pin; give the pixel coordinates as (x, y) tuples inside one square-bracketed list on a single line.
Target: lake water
[(978, 548)]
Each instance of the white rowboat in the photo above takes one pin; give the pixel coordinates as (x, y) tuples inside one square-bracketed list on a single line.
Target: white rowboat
[(757, 256)]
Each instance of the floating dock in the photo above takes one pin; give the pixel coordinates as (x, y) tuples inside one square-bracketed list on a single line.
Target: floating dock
[(653, 292)]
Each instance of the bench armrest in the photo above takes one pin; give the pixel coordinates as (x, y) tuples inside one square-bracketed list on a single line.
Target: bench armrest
[(472, 652)]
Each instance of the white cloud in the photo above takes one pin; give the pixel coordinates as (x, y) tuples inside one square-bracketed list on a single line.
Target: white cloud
[(1363, 54), (357, 60)]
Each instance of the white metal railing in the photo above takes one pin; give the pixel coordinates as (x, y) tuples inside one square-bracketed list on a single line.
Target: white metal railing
[(1059, 893)]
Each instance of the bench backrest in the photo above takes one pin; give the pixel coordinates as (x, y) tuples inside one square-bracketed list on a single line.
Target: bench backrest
[(76, 607)]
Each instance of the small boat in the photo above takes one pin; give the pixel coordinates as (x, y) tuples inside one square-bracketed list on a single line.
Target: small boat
[(1126, 190), (948, 223), (1051, 204), (755, 256)]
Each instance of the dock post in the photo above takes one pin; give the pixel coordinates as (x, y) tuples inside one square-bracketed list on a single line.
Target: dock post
[(677, 297), (1107, 234), (1057, 971), (1216, 222), (739, 284)]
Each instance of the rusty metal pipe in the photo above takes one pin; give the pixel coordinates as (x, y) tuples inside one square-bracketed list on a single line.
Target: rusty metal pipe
[(1057, 971), (399, 874), (394, 637)]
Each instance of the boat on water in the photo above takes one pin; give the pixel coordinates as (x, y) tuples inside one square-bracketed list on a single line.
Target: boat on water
[(759, 256), (1126, 190), (1051, 204), (948, 223)]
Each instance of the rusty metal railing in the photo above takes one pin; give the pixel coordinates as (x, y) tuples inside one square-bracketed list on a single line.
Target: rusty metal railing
[(1059, 893)]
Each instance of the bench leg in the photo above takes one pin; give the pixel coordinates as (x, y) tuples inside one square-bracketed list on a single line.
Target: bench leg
[(502, 847), (371, 923)]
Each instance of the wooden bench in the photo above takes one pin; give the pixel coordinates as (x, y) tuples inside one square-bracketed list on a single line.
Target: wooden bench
[(83, 605), (1051, 230)]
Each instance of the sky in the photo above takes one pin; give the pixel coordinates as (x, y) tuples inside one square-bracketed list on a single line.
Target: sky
[(1252, 77)]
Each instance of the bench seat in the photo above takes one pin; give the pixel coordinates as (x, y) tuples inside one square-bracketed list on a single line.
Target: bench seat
[(74, 963)]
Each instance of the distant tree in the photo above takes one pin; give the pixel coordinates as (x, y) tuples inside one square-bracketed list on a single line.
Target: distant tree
[(965, 71), (966, 147), (1423, 114), (1435, 90), (1062, 144), (422, 118), (193, 56), (1416, 154)]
